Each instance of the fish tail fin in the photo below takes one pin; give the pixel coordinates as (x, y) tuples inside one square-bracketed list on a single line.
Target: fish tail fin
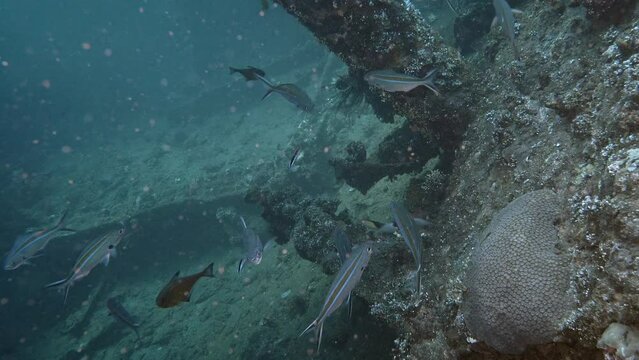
[(319, 336), (429, 81), (268, 93), (208, 271), (240, 265), (418, 274), (265, 81), (56, 283), (64, 284), (309, 328)]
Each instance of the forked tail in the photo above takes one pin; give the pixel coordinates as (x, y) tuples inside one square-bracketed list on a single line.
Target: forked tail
[(209, 272), (319, 329), (64, 284)]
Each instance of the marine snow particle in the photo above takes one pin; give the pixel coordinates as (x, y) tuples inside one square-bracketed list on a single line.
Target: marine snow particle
[(108, 52), (66, 149), (4, 301), (86, 46), (46, 83)]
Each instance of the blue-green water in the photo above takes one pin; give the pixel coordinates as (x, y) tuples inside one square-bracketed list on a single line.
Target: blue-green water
[(157, 204)]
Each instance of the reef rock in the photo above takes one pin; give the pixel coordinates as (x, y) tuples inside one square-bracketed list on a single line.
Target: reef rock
[(518, 281)]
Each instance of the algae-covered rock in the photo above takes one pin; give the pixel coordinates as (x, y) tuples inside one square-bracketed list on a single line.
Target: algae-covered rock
[(518, 282)]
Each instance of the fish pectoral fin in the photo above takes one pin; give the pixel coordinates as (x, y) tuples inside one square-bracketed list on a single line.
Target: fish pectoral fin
[(240, 266)]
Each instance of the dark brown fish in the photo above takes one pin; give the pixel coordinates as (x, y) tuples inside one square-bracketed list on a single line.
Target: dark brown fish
[(250, 73), (179, 288)]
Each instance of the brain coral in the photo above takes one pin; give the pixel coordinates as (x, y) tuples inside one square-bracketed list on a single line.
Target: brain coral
[(517, 280)]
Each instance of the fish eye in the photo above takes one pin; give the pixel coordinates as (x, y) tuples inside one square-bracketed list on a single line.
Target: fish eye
[(121, 231), (110, 246)]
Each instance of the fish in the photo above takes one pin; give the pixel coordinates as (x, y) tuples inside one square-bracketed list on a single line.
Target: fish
[(408, 229), (391, 227), (250, 73), (100, 250), (290, 92), (252, 245), (29, 246), (179, 289), (392, 81), (504, 16), (297, 155), (342, 243), (116, 309), (344, 250), (346, 280)]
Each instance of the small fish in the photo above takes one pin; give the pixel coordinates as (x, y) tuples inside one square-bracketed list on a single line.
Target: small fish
[(250, 73), (116, 309), (179, 289), (297, 155), (252, 245), (408, 229), (504, 16), (390, 228), (290, 92), (342, 243), (392, 81), (346, 280), (28, 246), (100, 250)]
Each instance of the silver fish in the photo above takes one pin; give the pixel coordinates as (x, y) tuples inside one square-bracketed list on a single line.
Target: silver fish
[(28, 246), (411, 236), (100, 250), (297, 155), (504, 16), (116, 309), (253, 246), (290, 92), (346, 280), (392, 81), (390, 228)]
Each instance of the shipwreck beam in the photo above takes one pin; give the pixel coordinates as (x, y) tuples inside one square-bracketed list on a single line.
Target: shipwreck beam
[(377, 34)]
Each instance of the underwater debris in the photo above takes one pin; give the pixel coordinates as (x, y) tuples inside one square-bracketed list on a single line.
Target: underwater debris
[(518, 284)]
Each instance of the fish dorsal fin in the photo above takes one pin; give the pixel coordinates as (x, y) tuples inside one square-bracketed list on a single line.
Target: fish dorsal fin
[(176, 275)]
